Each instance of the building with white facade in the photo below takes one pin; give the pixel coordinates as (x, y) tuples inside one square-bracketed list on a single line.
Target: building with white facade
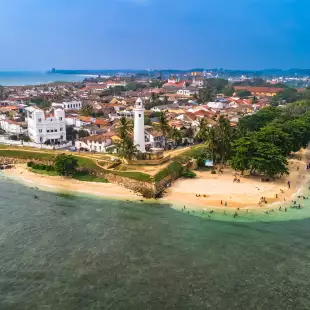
[(139, 138), (70, 105), (46, 126), (98, 143), (12, 127)]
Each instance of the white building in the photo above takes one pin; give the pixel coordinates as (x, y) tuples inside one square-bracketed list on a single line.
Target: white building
[(97, 143), (198, 81), (139, 138), (187, 92), (44, 126), (71, 105), (11, 126)]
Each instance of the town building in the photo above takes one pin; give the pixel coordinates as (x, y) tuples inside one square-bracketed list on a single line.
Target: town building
[(98, 143), (46, 126), (260, 91), (70, 105), (11, 126)]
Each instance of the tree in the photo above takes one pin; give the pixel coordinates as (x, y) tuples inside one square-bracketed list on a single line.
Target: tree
[(253, 155), (254, 100), (287, 95), (66, 165), (123, 127), (275, 135), (267, 159), (258, 120), (243, 93), (175, 135), (126, 148), (86, 110), (243, 150), (212, 144), (202, 132), (2, 97), (205, 94), (156, 83), (228, 90), (147, 121), (134, 86), (163, 123), (217, 84), (224, 137)]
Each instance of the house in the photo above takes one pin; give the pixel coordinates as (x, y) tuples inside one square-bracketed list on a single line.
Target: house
[(217, 105), (97, 143), (71, 105), (12, 127), (187, 92), (198, 81), (153, 138), (46, 126)]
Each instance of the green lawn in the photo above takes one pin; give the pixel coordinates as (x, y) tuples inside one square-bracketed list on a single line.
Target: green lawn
[(139, 176), (26, 155), (81, 176), (44, 172)]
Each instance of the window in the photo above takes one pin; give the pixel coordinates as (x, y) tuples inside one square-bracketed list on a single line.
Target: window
[(55, 130), (47, 130), (52, 130), (51, 119), (40, 130), (60, 118), (139, 115), (40, 120), (60, 129)]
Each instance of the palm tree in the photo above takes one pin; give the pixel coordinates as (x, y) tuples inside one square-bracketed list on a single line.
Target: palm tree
[(175, 135), (224, 138), (126, 148), (202, 130), (212, 143), (163, 123), (123, 127)]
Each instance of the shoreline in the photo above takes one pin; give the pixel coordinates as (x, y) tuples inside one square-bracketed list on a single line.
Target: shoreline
[(241, 197)]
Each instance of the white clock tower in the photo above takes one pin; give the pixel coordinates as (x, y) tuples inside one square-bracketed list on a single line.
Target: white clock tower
[(139, 138)]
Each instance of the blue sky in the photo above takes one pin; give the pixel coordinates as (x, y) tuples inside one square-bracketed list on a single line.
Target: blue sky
[(141, 34)]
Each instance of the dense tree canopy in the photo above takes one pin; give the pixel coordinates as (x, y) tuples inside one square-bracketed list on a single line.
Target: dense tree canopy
[(262, 142), (66, 164)]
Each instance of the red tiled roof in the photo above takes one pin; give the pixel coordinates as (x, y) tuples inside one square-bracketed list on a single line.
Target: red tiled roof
[(99, 121), (259, 89), (86, 119)]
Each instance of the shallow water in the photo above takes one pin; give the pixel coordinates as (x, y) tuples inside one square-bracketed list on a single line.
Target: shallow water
[(67, 252)]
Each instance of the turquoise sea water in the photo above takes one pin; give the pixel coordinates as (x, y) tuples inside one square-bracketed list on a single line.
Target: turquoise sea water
[(72, 252), (18, 78)]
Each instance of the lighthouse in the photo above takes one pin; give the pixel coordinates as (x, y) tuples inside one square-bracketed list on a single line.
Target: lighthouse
[(139, 138)]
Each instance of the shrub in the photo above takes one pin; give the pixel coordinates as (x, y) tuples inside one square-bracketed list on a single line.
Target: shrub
[(189, 174), (30, 164), (213, 171), (66, 164)]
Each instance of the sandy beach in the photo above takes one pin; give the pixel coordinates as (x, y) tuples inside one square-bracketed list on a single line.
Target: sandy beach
[(205, 191), (220, 191), (61, 184)]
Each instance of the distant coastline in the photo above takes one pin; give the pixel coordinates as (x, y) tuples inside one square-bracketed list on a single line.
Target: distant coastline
[(25, 78)]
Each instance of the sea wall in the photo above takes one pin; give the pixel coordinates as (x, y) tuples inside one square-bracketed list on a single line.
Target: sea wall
[(147, 189), (15, 161)]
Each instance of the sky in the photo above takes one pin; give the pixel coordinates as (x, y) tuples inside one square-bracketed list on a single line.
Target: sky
[(148, 34)]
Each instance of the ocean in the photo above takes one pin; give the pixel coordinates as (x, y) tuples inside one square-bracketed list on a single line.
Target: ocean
[(60, 251), (21, 78)]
